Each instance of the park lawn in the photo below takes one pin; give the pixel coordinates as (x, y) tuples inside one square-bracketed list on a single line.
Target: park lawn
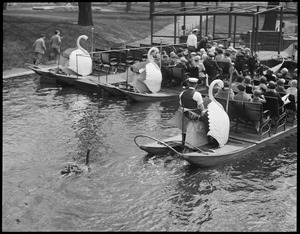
[(22, 26), (111, 29)]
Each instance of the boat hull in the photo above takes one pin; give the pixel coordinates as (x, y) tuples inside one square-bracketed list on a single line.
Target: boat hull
[(163, 94), (113, 89), (64, 80), (236, 147), (44, 73)]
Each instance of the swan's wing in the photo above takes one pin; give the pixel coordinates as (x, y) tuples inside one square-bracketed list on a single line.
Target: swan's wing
[(80, 63), (153, 78), (219, 123)]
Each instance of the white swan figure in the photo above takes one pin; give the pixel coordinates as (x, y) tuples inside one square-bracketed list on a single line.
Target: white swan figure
[(219, 123), (150, 77), (79, 59), (153, 77)]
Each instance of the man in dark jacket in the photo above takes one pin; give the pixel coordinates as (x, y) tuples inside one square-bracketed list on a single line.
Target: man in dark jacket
[(202, 44), (271, 92), (211, 66)]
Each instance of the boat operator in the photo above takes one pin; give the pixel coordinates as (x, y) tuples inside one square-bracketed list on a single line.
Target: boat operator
[(191, 104)]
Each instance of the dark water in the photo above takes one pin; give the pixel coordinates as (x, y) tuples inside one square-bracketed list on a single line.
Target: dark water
[(46, 128)]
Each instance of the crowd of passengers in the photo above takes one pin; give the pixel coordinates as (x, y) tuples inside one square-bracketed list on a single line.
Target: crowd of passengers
[(251, 81)]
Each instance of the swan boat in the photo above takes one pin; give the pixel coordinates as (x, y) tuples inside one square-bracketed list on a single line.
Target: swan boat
[(236, 145)]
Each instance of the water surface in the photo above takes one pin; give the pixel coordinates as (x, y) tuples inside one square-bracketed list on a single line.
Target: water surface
[(47, 127)]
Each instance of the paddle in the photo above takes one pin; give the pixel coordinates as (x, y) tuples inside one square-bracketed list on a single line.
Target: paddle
[(127, 77), (182, 131), (230, 80), (160, 51), (58, 60), (92, 48)]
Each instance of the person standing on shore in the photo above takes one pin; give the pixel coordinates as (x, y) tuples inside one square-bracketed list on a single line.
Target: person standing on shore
[(39, 49), (55, 45)]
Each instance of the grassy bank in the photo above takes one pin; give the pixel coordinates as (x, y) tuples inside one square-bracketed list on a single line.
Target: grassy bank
[(112, 27), (22, 26)]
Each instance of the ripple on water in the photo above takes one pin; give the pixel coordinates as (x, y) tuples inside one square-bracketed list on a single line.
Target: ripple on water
[(45, 128)]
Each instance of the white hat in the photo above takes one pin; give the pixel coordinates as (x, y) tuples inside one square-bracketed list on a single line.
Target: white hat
[(195, 30), (172, 54), (284, 70), (193, 53), (220, 46), (183, 59), (211, 54), (192, 80), (197, 57)]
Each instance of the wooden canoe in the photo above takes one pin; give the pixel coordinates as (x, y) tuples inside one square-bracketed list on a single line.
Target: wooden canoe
[(239, 144), (163, 94)]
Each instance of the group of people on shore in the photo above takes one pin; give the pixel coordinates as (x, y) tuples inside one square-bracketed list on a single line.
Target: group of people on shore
[(40, 49)]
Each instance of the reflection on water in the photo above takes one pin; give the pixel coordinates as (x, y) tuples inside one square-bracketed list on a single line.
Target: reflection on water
[(46, 127)]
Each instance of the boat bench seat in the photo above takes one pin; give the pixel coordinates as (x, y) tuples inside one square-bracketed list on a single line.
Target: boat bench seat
[(291, 109), (248, 112), (278, 113), (178, 74)]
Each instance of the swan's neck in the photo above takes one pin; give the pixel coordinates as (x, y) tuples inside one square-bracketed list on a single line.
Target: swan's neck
[(210, 92), (79, 46)]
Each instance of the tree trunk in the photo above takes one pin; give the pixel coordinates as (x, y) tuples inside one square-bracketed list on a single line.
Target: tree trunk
[(182, 4), (128, 7), (4, 5), (152, 8), (85, 14), (270, 17)]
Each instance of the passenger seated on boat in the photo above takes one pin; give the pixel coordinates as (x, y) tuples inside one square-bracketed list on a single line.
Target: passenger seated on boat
[(284, 73), (201, 68), (150, 76), (271, 92), (193, 110), (242, 95), (280, 86), (293, 90), (182, 69), (248, 85), (240, 62), (238, 80), (173, 59), (270, 76), (223, 92), (263, 83), (211, 66), (258, 97)]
